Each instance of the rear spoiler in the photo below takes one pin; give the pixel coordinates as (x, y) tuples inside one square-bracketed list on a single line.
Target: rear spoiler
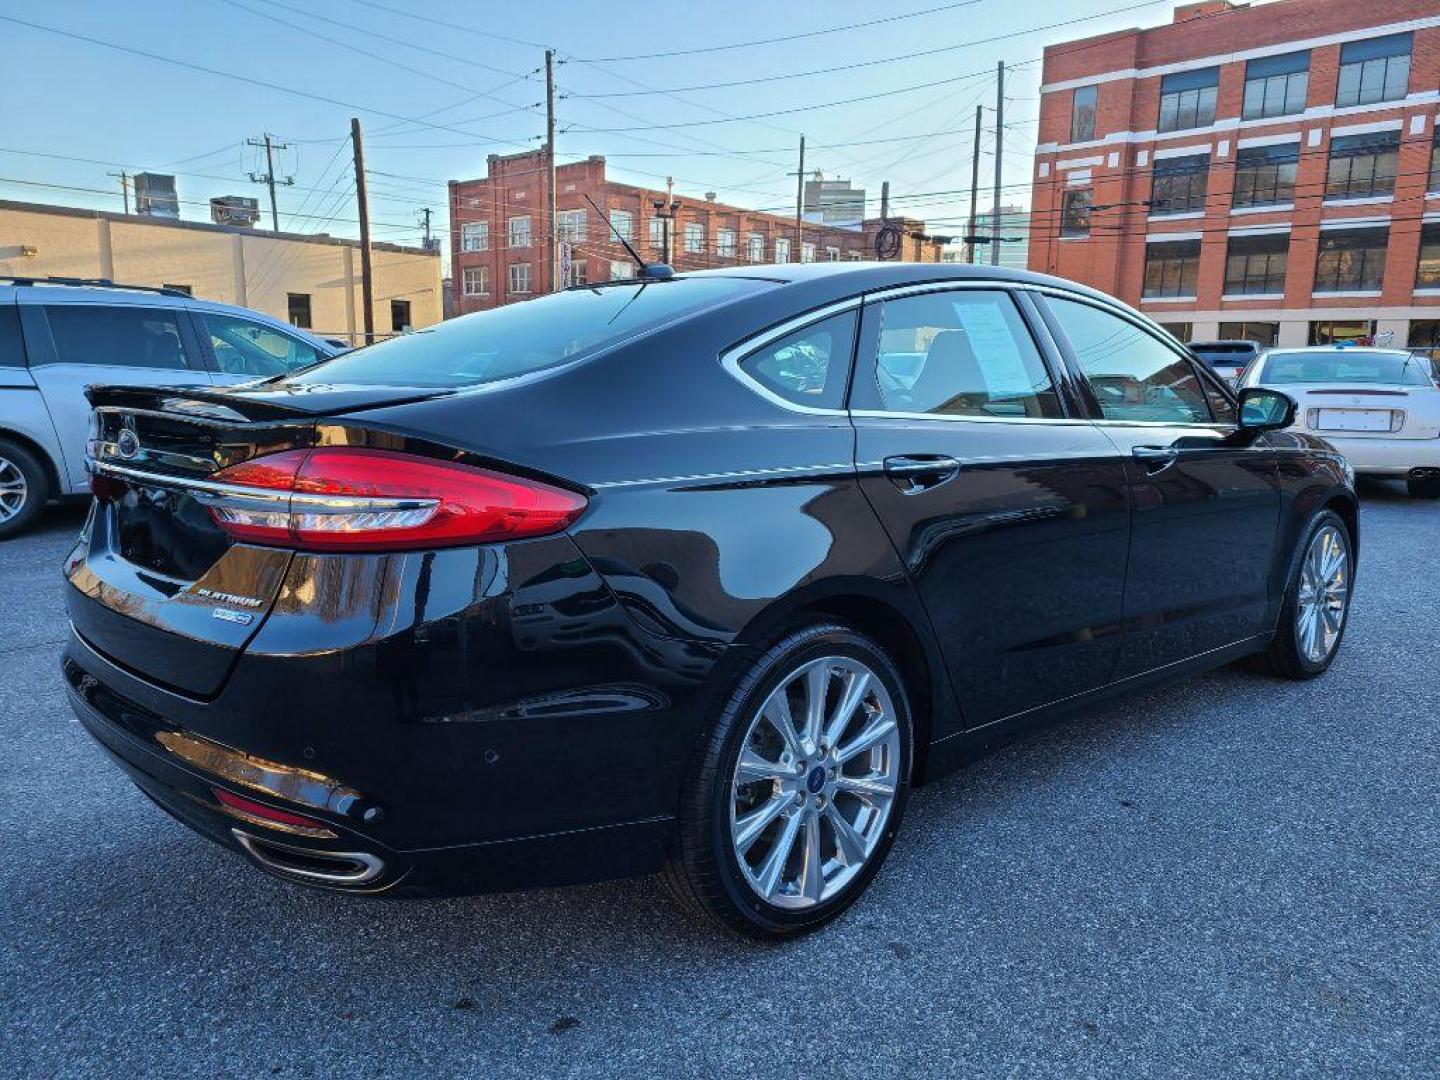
[(260, 402)]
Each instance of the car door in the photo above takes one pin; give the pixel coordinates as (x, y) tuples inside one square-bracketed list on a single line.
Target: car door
[(77, 343), (244, 349), (1205, 508), (1007, 508)]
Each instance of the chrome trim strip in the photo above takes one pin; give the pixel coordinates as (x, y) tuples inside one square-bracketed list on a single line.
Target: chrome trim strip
[(371, 866), (730, 358), (833, 469), (1056, 421), (192, 418), (987, 284), (212, 493)]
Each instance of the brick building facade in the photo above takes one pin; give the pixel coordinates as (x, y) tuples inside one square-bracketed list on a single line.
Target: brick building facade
[(1267, 171), (497, 231)]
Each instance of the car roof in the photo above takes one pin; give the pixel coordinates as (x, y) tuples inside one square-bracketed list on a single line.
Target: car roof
[(1339, 350)]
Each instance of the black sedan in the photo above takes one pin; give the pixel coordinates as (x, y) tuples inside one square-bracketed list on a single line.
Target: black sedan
[(696, 573)]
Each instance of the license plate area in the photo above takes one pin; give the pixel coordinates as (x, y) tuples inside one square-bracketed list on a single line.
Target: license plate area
[(165, 531), (1353, 420)]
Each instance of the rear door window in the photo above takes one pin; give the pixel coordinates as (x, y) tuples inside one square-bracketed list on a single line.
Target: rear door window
[(810, 366), (118, 336), (12, 342), (246, 347)]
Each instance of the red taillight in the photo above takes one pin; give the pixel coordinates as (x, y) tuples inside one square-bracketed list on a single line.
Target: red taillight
[(348, 499)]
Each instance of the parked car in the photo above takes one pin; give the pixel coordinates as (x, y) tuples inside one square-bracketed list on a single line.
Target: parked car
[(58, 336), (697, 573), (1228, 359), (1379, 407)]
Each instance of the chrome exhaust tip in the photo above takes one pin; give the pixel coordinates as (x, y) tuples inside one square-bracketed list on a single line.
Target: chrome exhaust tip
[(346, 868)]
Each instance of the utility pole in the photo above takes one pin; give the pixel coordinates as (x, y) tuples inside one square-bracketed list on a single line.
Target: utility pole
[(124, 178), (551, 249), (367, 280), (800, 205), (999, 156), (425, 213), (974, 186), (885, 200), (268, 177)]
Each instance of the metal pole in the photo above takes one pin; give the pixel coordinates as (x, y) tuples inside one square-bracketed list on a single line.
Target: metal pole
[(999, 156), (551, 249), (974, 185), (367, 281), (800, 205), (270, 180), (885, 200), (124, 187)]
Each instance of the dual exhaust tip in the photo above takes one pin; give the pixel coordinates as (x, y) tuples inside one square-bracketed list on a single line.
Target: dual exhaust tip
[(342, 869)]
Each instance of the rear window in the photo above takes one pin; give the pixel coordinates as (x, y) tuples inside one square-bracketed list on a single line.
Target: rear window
[(522, 338), (1400, 369), (1225, 355), (12, 345)]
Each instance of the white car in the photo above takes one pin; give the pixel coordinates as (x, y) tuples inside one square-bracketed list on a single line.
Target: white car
[(1378, 407)]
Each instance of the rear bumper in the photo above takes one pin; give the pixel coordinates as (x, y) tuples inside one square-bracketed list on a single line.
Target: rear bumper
[(1388, 457)]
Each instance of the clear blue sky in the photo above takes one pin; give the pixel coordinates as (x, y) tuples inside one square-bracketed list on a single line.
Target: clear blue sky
[(64, 96)]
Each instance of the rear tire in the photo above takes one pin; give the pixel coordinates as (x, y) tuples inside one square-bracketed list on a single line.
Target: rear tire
[(1426, 488), (24, 488), (780, 834), (1317, 604)]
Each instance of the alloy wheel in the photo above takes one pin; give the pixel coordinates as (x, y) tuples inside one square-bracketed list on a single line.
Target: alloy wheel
[(13, 489), (815, 782), (1324, 594)]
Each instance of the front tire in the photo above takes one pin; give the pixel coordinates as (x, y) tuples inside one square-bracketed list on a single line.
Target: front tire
[(1427, 487), (797, 793), (24, 488), (1317, 603)]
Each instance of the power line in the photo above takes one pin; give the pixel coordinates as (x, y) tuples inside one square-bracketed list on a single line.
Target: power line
[(448, 25)]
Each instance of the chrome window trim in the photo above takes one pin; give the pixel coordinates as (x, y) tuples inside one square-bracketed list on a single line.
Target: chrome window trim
[(1061, 421), (731, 358), (988, 284)]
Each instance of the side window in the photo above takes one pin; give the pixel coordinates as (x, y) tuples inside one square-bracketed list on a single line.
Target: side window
[(12, 342), (810, 366), (117, 336), (1222, 407), (961, 353), (1135, 376), (243, 347)]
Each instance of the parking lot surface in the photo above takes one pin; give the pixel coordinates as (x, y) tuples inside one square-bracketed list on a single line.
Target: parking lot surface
[(1230, 876)]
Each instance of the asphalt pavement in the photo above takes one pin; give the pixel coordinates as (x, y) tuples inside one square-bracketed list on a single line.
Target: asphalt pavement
[(1231, 876)]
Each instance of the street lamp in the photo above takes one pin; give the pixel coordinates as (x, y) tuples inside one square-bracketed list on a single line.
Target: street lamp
[(666, 210)]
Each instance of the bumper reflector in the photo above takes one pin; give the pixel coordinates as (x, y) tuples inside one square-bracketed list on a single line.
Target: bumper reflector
[(259, 814)]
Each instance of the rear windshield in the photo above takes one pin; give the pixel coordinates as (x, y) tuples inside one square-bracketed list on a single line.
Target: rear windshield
[(522, 338), (1396, 368), (1223, 355)]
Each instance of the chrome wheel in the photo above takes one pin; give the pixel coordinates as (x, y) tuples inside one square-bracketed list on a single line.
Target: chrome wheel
[(815, 782), (13, 489), (1324, 594)]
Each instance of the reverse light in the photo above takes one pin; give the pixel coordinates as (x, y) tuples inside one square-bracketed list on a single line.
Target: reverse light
[(352, 499)]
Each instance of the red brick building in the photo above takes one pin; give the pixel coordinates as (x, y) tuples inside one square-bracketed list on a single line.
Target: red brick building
[(497, 231), (1268, 171)]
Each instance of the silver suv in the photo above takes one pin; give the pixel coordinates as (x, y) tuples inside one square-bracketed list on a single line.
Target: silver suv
[(58, 336)]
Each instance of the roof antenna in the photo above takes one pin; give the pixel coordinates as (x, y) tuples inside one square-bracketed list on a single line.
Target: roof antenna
[(653, 271)]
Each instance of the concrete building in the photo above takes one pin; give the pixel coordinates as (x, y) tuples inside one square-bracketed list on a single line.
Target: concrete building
[(1267, 171), (313, 281), (1014, 236), (834, 202), (498, 249)]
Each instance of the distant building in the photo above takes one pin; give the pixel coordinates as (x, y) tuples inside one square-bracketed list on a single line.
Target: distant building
[(155, 196), (834, 202), (1014, 236), (497, 232)]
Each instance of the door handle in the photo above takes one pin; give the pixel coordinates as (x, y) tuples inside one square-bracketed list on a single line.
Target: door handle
[(1156, 459), (913, 473)]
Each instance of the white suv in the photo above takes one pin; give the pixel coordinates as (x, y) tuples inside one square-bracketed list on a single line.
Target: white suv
[(58, 337)]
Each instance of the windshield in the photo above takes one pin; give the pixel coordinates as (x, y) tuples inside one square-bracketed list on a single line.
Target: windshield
[(1344, 366), (522, 338)]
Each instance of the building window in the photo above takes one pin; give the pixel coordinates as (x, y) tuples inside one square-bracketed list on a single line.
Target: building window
[(755, 248), (807, 252), (1338, 332), (1256, 264), (1171, 268), (1434, 184), (1179, 183), (400, 316), (1265, 175), (1362, 166), (1374, 70), (782, 249), (1427, 274), (725, 243), (657, 233), (579, 273), (1180, 331), (1276, 85), (623, 222), (832, 254), (1187, 99), (475, 236), (570, 225), (695, 237), (518, 232), (621, 271), (1075, 212), (1425, 341), (519, 278), (297, 306), (1264, 334), (1082, 114), (1351, 260), (476, 281)]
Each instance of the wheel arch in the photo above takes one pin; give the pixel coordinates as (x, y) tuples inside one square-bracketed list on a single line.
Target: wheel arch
[(42, 455)]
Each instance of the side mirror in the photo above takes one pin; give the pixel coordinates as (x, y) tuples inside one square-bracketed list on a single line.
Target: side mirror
[(1263, 409)]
